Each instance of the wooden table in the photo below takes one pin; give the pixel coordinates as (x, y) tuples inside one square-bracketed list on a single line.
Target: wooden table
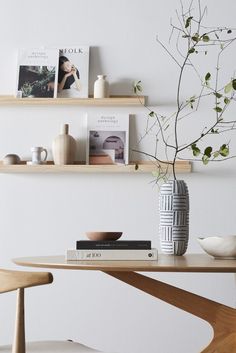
[(221, 317)]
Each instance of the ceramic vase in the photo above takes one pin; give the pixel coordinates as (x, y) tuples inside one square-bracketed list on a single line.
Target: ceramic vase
[(174, 217), (101, 87), (64, 147)]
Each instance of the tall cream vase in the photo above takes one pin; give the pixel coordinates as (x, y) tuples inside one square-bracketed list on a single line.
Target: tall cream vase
[(64, 147)]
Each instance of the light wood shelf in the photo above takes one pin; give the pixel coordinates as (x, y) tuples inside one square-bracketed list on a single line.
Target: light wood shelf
[(133, 167), (111, 101)]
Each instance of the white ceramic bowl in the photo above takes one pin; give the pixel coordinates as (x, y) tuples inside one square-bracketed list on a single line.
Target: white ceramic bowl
[(219, 247)]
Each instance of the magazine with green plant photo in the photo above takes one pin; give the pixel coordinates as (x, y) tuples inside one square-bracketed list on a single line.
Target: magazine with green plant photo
[(37, 72)]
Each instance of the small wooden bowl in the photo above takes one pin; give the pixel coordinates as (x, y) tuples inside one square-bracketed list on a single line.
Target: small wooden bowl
[(103, 235)]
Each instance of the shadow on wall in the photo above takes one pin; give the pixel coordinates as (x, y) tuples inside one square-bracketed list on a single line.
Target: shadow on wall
[(121, 87), (95, 67)]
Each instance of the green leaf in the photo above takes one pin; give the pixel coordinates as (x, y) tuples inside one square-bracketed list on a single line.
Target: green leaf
[(228, 87), (151, 114), (224, 150), (205, 159), (218, 109), (156, 174), (196, 152), (205, 38), (218, 95), (234, 84), (208, 76), (226, 100), (195, 37), (208, 151), (137, 87), (195, 149), (216, 154), (191, 50), (188, 21), (214, 131)]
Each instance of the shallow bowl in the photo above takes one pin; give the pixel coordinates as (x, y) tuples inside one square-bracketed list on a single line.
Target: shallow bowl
[(103, 235), (219, 247)]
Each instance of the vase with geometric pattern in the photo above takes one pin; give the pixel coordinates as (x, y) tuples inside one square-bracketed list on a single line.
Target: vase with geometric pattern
[(174, 217)]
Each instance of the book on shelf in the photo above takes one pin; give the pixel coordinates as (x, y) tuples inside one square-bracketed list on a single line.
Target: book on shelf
[(73, 72), (111, 255), (113, 245), (37, 71), (107, 139)]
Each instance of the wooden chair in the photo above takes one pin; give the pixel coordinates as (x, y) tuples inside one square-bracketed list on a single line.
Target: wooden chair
[(19, 280)]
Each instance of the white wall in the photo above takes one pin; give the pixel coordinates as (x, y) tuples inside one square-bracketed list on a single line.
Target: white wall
[(45, 214)]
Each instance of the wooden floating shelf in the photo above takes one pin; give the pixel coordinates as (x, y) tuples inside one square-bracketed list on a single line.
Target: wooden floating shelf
[(133, 167), (111, 101)]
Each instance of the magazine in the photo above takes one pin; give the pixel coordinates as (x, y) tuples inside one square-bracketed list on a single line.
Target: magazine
[(37, 73), (107, 139), (73, 72)]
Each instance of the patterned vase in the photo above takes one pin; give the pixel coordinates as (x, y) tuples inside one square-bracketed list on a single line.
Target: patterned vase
[(174, 217)]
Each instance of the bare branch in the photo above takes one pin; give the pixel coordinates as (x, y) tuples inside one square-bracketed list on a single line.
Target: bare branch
[(153, 157), (197, 38), (163, 46)]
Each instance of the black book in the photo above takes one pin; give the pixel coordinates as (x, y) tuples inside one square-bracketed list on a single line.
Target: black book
[(113, 244)]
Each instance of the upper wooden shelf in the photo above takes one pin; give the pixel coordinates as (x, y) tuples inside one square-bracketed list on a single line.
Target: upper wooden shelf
[(111, 101), (133, 167)]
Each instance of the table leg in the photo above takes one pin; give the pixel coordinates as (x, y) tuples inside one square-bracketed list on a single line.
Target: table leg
[(221, 317)]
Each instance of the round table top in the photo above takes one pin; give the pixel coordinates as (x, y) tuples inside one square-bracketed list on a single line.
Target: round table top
[(165, 263)]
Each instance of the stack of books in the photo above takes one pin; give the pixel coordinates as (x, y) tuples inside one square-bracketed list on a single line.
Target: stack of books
[(112, 250)]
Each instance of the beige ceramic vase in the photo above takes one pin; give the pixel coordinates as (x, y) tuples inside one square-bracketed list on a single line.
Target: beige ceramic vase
[(64, 147)]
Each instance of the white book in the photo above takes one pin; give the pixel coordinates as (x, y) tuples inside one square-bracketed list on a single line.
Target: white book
[(107, 139), (37, 72), (96, 255), (73, 72)]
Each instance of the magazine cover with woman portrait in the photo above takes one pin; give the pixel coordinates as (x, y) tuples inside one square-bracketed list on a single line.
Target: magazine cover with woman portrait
[(73, 72)]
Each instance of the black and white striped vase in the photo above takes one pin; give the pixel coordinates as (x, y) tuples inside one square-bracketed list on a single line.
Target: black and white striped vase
[(174, 217)]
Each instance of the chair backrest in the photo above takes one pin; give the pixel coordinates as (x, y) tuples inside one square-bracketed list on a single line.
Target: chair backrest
[(12, 280), (19, 280)]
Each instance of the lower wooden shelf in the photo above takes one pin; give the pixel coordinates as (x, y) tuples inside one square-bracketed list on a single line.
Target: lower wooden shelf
[(133, 167)]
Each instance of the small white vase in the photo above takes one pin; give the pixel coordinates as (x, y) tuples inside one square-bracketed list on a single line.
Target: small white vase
[(101, 87), (64, 147)]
